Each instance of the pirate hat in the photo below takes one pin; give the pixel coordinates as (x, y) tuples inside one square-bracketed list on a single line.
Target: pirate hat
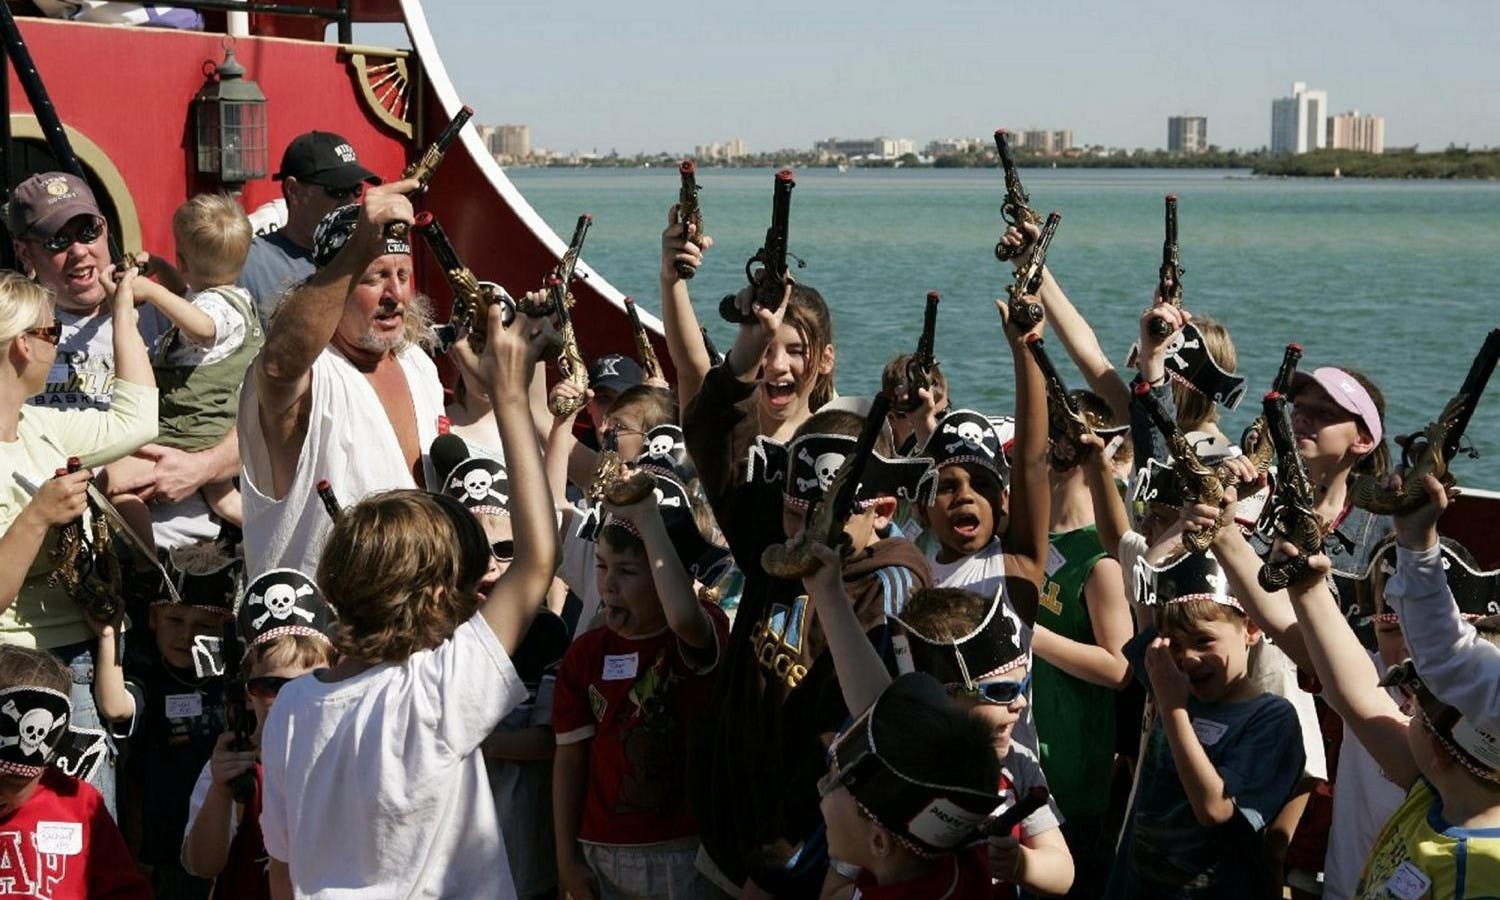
[(1476, 591), (704, 560), (1189, 362), (481, 484), (966, 436), (806, 467), (33, 722), (1471, 745), (1191, 576), (928, 812), (207, 574), (283, 601), (335, 230), (992, 648), (665, 451)]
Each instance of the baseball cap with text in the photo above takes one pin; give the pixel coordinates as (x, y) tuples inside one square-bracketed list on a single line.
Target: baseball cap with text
[(42, 204), (326, 159)]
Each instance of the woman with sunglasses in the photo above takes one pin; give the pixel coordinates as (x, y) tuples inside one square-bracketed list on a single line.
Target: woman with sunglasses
[(37, 495)]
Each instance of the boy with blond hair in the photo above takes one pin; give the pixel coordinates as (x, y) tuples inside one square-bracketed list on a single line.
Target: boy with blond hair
[(200, 361)]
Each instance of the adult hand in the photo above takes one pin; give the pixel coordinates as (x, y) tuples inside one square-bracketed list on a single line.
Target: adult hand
[(225, 765), (61, 499), (681, 245), (1417, 530), (177, 476), (1168, 682), (383, 205)]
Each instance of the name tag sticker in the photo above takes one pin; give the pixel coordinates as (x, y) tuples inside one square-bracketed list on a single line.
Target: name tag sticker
[(59, 838), (1409, 882), (1208, 731), (184, 706), (1055, 560), (619, 668)]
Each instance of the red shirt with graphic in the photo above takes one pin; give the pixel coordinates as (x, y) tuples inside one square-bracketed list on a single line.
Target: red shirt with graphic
[(632, 699), (62, 845)]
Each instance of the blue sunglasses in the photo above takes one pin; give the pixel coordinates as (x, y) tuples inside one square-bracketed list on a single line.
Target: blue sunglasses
[(1000, 693)]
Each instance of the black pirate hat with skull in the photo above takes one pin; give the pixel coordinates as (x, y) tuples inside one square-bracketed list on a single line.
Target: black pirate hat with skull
[(33, 722), (1190, 576), (283, 601), (665, 451), (481, 484), (966, 436), (1476, 591), (703, 560), (806, 467), (1189, 362), (207, 574), (993, 648), (335, 230)]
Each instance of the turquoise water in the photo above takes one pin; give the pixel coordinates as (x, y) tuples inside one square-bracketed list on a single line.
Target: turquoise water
[(1401, 279)]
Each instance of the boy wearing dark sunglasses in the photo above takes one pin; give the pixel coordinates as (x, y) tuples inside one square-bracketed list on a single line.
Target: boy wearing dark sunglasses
[(222, 839)]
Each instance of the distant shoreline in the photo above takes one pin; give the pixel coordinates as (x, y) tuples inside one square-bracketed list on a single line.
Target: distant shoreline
[(1452, 164)]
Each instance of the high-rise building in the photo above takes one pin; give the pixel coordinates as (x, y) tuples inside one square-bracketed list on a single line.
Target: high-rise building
[(1297, 121), (721, 151), (1050, 143), (876, 147), (1352, 131), (1187, 134), (511, 141)]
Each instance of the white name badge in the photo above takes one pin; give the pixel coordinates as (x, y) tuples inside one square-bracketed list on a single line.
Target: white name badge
[(1409, 882), (184, 706), (1208, 731), (58, 838), (619, 668), (1055, 560)]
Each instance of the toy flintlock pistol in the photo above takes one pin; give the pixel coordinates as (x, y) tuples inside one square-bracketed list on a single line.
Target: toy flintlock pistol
[(826, 518), (771, 257), (330, 499), (1024, 314), (570, 362), (1016, 210), (1067, 418), (427, 164), (1292, 513), (86, 564), (1169, 276), (923, 363), (688, 212), (1431, 452), (472, 298), (715, 358), (1201, 482), (242, 788), (1257, 440), (650, 365), (615, 482)]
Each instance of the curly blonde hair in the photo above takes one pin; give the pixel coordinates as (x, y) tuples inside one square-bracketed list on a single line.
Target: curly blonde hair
[(400, 568)]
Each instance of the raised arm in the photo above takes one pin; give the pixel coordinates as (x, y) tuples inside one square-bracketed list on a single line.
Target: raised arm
[(1025, 537), (192, 322), (310, 313), (507, 365), (861, 673), (1272, 611), (1350, 683), (1109, 507), (674, 586), (684, 340), (1083, 347)]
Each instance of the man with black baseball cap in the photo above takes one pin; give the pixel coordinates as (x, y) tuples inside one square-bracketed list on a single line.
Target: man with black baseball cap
[(319, 173)]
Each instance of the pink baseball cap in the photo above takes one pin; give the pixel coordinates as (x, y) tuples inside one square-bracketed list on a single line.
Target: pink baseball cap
[(1348, 393)]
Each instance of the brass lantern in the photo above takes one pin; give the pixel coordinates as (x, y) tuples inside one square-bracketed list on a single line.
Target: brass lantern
[(230, 126)]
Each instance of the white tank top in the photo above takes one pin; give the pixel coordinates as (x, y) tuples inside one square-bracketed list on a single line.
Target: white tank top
[(349, 441)]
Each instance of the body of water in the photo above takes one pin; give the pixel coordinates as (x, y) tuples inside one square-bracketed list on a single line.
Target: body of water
[(1398, 279)]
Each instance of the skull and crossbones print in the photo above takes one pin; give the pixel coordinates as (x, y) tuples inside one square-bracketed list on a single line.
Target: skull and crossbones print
[(475, 481), (279, 601), (967, 434), (38, 718), (823, 467)]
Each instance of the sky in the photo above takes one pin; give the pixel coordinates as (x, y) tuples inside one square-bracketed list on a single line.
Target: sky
[(646, 76)]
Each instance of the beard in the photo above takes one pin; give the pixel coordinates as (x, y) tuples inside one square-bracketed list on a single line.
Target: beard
[(378, 344)]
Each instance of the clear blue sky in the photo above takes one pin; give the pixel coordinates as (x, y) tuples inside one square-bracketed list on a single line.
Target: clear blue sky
[(646, 76)]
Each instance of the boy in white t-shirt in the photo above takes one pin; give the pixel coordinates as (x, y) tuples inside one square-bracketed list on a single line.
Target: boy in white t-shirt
[(374, 780)]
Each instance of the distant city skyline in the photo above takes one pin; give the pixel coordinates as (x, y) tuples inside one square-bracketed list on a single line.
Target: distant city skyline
[(649, 77)]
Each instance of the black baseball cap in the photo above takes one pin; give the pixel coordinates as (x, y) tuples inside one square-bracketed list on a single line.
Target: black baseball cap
[(326, 159), (615, 372)]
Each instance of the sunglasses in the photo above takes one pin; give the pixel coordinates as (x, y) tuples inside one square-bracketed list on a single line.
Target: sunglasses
[(87, 234), (265, 687), (503, 551), (343, 195), (1000, 693), (49, 333)]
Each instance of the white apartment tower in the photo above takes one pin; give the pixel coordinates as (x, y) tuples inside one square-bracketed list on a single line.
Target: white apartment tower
[(1297, 124), (1352, 131), (1187, 134)]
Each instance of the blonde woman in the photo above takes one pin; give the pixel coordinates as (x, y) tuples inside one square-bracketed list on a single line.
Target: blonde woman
[(37, 441)]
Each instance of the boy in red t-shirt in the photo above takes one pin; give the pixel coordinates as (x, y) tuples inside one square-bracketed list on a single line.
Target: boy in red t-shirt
[(624, 696), (56, 837)]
